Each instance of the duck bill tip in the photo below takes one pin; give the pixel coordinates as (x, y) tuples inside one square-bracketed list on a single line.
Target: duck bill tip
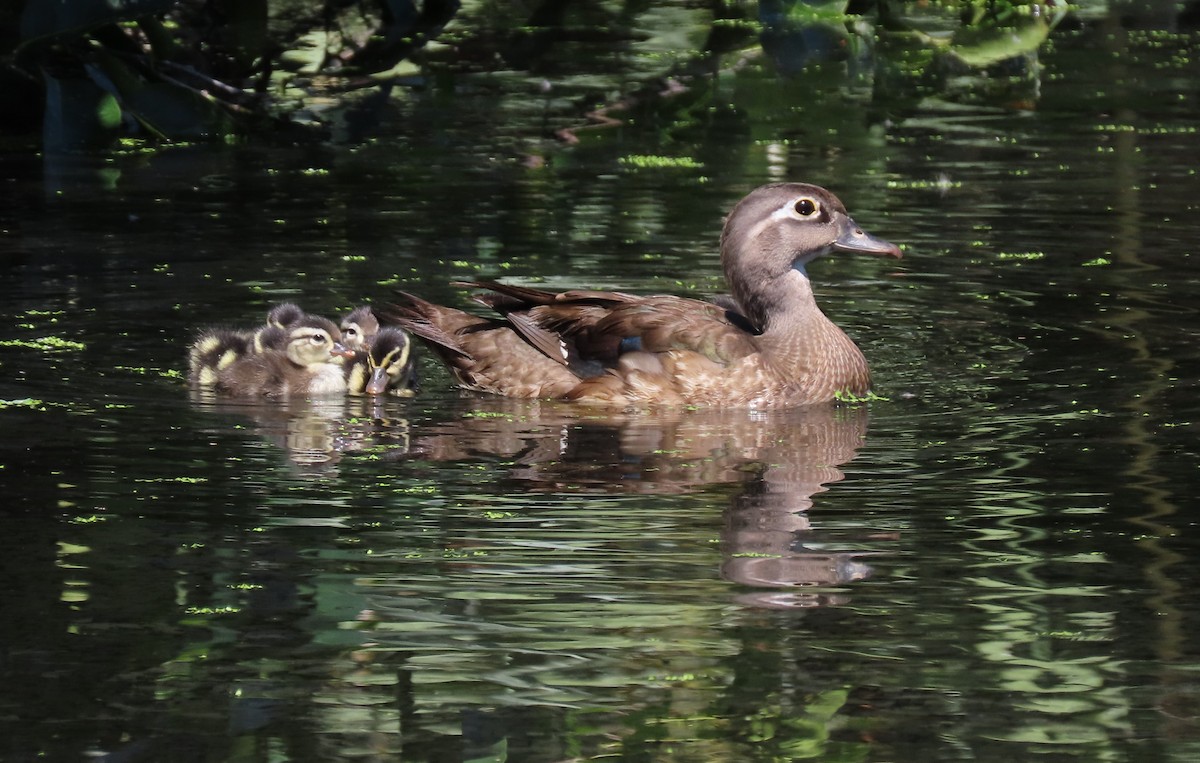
[(855, 239), (378, 382)]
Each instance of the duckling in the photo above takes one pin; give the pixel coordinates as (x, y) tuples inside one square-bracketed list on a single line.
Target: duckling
[(309, 364), (385, 367), (213, 350), (359, 328), (216, 348)]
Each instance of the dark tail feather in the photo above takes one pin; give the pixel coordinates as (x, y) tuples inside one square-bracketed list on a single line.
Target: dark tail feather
[(506, 297), (416, 316)]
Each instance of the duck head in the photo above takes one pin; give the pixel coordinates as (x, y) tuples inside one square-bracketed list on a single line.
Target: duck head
[(771, 236)]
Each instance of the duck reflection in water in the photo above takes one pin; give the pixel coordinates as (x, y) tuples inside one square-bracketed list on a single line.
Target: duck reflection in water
[(779, 460), (314, 433)]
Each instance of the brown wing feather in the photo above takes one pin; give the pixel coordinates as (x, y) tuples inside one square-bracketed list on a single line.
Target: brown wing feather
[(581, 344), (485, 354)]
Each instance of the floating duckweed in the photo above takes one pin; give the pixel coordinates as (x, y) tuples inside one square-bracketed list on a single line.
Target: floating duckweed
[(1098, 262), (940, 183), (212, 610), (24, 402), (846, 396), (314, 171), (1021, 255), (648, 161), (166, 373), (45, 344), (90, 519), (354, 258)]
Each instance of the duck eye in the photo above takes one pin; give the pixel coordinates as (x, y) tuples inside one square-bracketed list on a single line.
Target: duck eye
[(806, 207), (318, 339)]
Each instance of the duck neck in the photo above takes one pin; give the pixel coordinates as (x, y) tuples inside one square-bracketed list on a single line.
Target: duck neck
[(782, 305), (799, 340)]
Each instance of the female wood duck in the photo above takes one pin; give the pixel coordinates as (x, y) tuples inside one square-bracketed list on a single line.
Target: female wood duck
[(308, 363), (359, 328), (386, 367), (769, 345)]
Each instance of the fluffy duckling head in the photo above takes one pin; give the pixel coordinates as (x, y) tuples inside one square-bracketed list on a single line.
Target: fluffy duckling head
[(386, 367), (359, 328), (391, 363), (284, 315), (313, 340)]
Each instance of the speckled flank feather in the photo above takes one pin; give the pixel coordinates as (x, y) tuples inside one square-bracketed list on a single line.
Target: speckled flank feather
[(768, 345)]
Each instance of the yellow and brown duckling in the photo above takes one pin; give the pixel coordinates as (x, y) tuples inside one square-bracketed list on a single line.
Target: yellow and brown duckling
[(359, 328), (769, 346), (215, 349), (385, 367), (304, 359)]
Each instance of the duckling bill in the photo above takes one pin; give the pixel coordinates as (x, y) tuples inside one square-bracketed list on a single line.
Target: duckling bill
[(770, 346)]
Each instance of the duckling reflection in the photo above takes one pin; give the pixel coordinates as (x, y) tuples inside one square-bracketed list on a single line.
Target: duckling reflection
[(779, 458), (313, 433)]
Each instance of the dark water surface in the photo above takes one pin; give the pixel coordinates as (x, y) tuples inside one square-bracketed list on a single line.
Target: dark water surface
[(995, 562)]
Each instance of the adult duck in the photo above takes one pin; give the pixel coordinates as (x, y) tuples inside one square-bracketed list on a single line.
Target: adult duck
[(767, 345)]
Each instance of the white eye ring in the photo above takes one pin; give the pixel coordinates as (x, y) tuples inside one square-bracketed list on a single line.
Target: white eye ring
[(806, 207)]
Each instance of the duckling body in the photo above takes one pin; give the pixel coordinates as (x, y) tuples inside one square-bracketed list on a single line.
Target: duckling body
[(768, 346), (214, 349), (385, 367)]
